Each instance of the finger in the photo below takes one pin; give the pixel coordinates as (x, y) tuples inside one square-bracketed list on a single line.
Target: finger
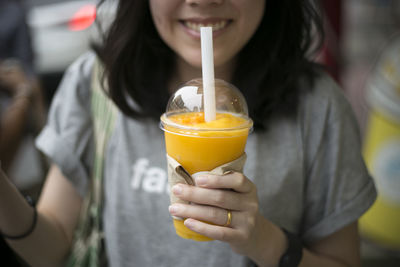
[(225, 199), (216, 232), (207, 214), (232, 180)]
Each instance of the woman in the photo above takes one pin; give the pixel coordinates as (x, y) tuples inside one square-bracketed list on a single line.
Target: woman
[(304, 185)]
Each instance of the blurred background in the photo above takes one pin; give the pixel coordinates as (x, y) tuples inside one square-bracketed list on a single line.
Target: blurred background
[(61, 31), (361, 51)]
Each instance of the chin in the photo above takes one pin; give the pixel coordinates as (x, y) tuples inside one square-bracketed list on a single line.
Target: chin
[(193, 61)]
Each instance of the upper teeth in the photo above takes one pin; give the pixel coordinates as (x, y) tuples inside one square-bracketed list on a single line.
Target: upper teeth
[(196, 26)]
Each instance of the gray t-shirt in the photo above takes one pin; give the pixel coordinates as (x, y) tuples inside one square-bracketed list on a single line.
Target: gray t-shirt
[(309, 172)]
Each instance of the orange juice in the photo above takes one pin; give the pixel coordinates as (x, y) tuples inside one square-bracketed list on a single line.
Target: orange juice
[(202, 146)]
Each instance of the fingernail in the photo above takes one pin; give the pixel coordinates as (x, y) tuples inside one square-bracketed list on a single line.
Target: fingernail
[(177, 189), (173, 209), (201, 180)]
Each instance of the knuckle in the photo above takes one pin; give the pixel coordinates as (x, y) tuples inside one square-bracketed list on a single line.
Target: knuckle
[(253, 207), (213, 215), (251, 222), (189, 192), (242, 182), (219, 198), (240, 179), (222, 236), (184, 208), (201, 228), (216, 181), (245, 235)]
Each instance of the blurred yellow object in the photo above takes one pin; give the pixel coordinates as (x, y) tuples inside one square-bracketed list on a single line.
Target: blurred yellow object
[(381, 223)]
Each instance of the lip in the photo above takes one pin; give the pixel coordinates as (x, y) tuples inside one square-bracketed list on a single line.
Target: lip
[(209, 21)]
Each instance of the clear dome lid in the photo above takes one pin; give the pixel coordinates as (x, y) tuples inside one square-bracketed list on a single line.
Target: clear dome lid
[(189, 99)]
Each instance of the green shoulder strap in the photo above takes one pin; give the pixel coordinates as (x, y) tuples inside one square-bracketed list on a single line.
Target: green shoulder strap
[(88, 246)]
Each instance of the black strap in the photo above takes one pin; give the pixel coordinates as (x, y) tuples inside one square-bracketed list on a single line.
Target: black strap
[(31, 228), (294, 252)]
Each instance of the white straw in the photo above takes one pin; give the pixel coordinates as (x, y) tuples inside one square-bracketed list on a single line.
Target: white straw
[(207, 63)]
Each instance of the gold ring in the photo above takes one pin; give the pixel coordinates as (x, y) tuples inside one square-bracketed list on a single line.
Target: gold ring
[(229, 219)]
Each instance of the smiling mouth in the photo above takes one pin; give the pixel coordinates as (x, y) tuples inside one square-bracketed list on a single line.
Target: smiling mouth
[(216, 26)]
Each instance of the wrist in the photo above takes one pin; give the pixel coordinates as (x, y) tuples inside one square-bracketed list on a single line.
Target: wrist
[(23, 96), (17, 220), (270, 246), (29, 230), (294, 250), (23, 90)]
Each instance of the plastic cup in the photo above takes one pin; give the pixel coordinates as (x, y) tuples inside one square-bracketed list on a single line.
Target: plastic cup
[(202, 146)]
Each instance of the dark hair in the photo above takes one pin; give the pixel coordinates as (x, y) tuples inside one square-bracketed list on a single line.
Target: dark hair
[(138, 63)]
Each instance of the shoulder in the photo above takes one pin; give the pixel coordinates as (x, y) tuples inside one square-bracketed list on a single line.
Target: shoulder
[(325, 101), (325, 118), (83, 64), (76, 82), (79, 73)]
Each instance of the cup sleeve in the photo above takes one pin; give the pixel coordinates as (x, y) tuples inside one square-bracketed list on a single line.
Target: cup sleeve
[(177, 174)]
